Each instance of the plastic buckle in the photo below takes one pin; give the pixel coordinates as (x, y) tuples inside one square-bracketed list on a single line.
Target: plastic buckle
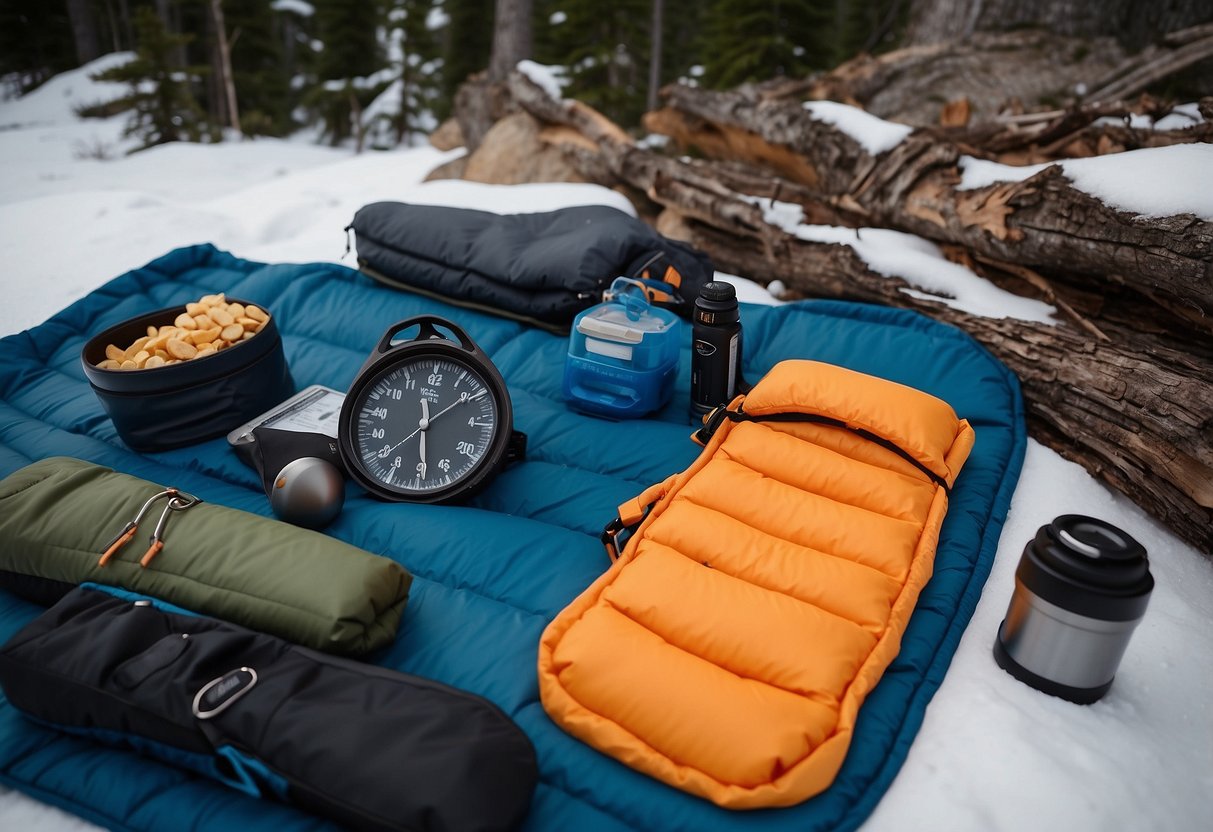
[(610, 538), (711, 424)]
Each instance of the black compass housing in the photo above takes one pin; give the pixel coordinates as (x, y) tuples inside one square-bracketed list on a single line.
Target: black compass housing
[(494, 444)]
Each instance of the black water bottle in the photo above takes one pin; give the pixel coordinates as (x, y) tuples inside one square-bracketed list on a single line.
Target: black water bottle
[(715, 348)]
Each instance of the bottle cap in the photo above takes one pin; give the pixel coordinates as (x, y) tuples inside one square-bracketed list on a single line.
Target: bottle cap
[(718, 290)]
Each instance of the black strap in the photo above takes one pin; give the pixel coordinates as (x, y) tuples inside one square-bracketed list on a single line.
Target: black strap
[(721, 413)]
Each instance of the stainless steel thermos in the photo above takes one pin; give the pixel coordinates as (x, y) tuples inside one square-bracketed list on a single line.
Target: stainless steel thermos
[(715, 348), (1081, 588)]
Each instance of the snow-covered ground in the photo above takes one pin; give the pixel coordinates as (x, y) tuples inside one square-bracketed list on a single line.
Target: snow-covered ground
[(992, 754)]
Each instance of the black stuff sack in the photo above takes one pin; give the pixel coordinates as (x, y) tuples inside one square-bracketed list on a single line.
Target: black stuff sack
[(364, 746), (540, 268)]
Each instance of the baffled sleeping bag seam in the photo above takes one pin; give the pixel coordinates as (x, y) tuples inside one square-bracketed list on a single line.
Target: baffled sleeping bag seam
[(591, 466), (586, 653)]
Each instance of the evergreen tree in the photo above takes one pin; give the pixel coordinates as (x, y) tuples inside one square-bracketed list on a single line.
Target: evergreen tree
[(873, 27), (164, 108), (467, 39), (349, 66), (683, 44), (35, 42), (748, 41), (606, 53), (408, 104), (262, 83), (347, 30)]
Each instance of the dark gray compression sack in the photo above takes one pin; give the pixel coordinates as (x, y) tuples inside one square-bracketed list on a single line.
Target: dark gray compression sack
[(543, 268)]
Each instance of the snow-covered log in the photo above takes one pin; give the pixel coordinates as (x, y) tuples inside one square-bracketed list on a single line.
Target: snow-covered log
[(1133, 410), (913, 181), (1139, 419)]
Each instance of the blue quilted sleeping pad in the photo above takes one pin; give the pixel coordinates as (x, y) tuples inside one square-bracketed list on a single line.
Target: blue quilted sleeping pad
[(490, 576)]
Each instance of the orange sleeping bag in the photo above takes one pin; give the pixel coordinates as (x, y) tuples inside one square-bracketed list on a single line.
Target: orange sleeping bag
[(727, 650)]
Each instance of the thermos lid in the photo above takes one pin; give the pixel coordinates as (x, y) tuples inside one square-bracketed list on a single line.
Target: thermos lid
[(718, 290), (1088, 567)]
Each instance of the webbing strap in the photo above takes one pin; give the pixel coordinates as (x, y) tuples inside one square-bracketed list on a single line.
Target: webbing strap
[(631, 514), (721, 413)]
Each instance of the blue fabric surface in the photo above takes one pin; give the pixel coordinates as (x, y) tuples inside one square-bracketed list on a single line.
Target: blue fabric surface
[(490, 576)]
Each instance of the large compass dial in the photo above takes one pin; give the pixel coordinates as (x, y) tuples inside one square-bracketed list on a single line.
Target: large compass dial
[(425, 424), (427, 419)]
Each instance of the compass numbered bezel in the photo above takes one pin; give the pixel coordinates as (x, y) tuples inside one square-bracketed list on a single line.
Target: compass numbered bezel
[(430, 344)]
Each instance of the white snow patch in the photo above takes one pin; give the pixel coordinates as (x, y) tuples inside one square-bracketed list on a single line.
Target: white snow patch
[(995, 755), (875, 134), (516, 199), (56, 101), (915, 260), (1150, 182), (364, 82), (546, 78), (979, 173), (299, 7), (749, 291), (1181, 117), (436, 18)]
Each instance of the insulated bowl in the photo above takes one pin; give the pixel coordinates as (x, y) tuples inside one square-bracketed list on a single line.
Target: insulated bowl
[(182, 404)]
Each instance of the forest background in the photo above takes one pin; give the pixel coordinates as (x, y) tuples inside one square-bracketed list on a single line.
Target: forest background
[(379, 73)]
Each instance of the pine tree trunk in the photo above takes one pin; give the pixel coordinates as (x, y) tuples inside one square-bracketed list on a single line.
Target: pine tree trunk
[(84, 30), (124, 13), (512, 37), (225, 65), (656, 45), (167, 12)]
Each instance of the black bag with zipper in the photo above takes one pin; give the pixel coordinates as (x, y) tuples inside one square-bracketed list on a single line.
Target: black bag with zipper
[(540, 268), (364, 746)]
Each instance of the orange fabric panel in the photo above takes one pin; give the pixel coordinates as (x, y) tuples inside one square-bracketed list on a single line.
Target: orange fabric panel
[(813, 520), (847, 443), (920, 424), (810, 467), (607, 660), (778, 565), (728, 622), (729, 648)]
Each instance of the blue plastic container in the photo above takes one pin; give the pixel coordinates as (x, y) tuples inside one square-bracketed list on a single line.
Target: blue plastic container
[(623, 355)]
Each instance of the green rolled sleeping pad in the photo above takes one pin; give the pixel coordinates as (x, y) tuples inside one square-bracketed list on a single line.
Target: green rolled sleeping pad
[(59, 515)]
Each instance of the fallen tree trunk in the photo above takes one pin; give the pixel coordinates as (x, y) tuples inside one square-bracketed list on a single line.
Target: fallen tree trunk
[(1041, 221), (1137, 415), (1141, 422), (1088, 130)]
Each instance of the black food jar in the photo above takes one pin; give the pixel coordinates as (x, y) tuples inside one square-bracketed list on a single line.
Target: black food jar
[(182, 404), (1081, 588)]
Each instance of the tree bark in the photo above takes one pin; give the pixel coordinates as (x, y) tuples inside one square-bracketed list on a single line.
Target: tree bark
[(656, 44), (1136, 414), (84, 30), (1140, 421), (1134, 23), (1042, 221), (169, 16), (232, 113), (1156, 63), (512, 37)]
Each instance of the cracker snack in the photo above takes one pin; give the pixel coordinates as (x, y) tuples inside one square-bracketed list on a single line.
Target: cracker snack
[(204, 328)]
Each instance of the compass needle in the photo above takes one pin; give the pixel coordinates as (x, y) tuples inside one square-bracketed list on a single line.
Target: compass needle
[(440, 373)]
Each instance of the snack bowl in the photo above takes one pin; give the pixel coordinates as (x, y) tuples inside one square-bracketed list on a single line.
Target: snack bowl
[(181, 404)]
